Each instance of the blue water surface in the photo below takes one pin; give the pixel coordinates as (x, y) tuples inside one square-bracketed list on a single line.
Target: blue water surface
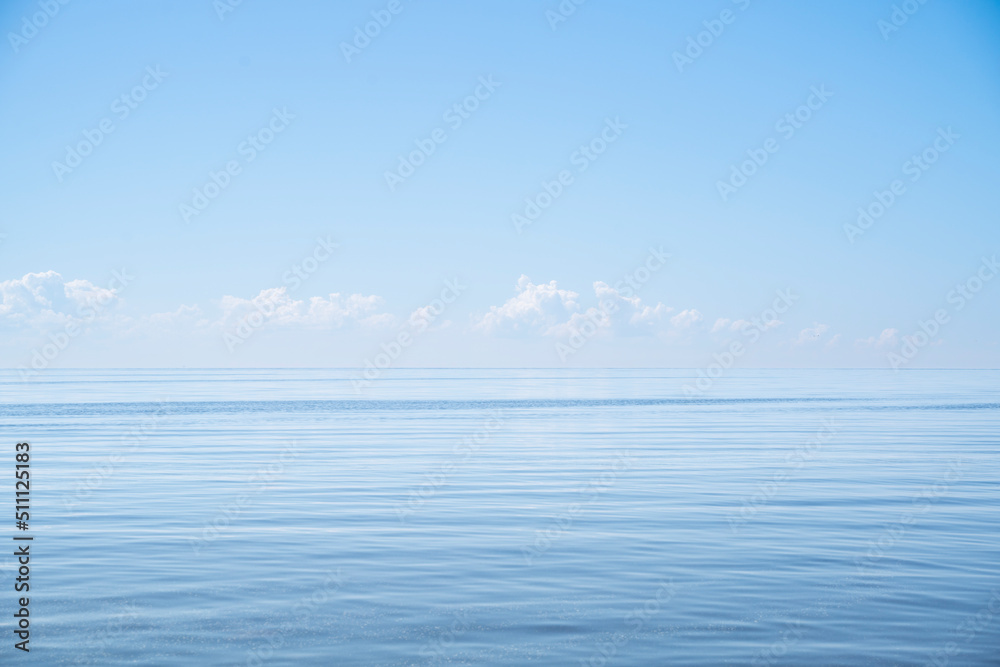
[(508, 517)]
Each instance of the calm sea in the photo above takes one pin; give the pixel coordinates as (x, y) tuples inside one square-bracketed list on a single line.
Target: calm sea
[(507, 517)]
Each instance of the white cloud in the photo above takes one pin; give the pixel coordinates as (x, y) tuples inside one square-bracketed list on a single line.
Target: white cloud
[(546, 310), (628, 313), (811, 334), (888, 338), (686, 318), (535, 308), (47, 300), (280, 309), (83, 294), (721, 324)]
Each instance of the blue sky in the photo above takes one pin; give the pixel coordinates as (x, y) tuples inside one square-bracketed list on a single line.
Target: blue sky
[(541, 295)]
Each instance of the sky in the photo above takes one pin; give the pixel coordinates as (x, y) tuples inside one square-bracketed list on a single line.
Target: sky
[(737, 184)]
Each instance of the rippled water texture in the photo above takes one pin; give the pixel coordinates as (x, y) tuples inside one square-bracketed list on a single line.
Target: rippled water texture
[(514, 517)]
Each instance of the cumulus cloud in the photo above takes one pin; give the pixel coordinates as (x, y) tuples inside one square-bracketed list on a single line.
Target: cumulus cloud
[(45, 300), (721, 324), (624, 314), (280, 309), (534, 309), (633, 312), (888, 338), (545, 309), (686, 319), (811, 334)]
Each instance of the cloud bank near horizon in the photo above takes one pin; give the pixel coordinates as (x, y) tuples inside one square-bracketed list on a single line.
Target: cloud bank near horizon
[(47, 306)]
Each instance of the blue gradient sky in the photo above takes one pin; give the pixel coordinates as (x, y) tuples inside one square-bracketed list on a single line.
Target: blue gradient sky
[(655, 186)]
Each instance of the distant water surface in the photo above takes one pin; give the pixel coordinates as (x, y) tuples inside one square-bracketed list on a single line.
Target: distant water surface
[(509, 517)]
